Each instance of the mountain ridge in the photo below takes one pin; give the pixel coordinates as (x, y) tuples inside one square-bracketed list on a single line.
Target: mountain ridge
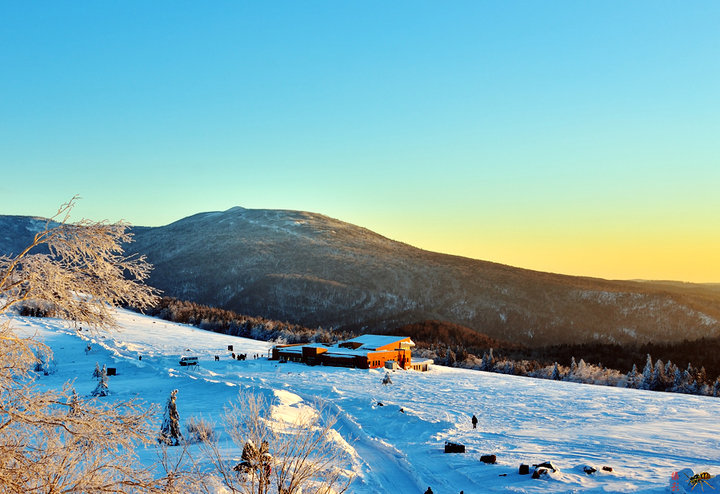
[(315, 270)]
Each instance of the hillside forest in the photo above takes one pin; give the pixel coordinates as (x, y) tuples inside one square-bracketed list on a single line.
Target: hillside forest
[(687, 367)]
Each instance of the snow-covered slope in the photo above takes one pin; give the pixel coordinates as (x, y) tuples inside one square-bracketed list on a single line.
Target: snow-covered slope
[(644, 436)]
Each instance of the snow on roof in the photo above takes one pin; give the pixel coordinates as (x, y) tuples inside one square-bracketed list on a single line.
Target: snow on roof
[(368, 342), (423, 361), (334, 351), (375, 341)]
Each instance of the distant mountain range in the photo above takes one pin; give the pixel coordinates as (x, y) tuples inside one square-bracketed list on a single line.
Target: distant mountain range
[(313, 270)]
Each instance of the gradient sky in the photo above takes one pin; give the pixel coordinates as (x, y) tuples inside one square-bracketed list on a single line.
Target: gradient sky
[(566, 136)]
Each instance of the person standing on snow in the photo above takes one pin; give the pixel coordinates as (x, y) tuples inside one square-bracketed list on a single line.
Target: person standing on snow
[(474, 421)]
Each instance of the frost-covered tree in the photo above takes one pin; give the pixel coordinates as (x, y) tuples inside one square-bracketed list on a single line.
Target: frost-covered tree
[(658, 376), (678, 381), (43, 362), (716, 388), (669, 368), (488, 361), (572, 372), (79, 268), (97, 373), (581, 367), (647, 375), (669, 374), (102, 388), (633, 378), (303, 453), (386, 380), (170, 430), (691, 386), (555, 376), (54, 441), (74, 403)]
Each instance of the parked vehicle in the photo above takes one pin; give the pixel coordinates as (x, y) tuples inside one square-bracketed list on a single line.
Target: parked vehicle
[(188, 361)]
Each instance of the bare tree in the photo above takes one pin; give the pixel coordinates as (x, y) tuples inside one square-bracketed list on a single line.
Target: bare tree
[(55, 441), (279, 457)]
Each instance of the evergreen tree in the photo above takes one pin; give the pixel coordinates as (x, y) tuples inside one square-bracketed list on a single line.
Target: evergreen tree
[(678, 381), (669, 374), (74, 404), (97, 373), (669, 368), (102, 388), (658, 377), (573, 370), (170, 430), (581, 368), (690, 385), (647, 375), (716, 388), (633, 378), (555, 373)]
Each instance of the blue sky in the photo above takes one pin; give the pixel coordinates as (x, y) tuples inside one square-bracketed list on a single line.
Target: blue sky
[(574, 137)]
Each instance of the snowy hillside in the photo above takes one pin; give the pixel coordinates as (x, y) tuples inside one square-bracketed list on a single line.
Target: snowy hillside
[(309, 269), (398, 447)]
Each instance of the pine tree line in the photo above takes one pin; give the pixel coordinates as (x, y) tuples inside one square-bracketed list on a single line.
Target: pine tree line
[(658, 376), (517, 359)]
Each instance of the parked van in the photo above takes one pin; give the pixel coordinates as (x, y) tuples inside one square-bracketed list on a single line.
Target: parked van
[(188, 361)]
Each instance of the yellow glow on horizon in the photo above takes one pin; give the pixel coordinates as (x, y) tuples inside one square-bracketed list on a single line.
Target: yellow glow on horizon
[(690, 254)]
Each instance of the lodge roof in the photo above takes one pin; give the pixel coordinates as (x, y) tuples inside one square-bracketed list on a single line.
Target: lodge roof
[(358, 346), (375, 341)]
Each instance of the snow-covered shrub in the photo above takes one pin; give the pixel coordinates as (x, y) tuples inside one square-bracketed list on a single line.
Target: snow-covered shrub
[(44, 362), (199, 430), (386, 380)]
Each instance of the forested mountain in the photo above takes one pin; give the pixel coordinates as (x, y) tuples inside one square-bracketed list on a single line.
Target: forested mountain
[(313, 270)]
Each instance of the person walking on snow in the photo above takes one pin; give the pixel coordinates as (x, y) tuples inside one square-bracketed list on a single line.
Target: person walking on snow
[(474, 421)]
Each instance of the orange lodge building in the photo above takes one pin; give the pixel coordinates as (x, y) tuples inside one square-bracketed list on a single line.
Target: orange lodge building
[(369, 351)]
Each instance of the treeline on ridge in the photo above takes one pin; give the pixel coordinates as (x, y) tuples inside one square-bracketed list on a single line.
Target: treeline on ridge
[(461, 340), (232, 323)]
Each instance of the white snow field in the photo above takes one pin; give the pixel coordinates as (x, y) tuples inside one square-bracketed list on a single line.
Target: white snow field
[(398, 448)]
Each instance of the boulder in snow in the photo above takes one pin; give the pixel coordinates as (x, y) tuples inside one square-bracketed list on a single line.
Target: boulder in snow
[(454, 447)]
